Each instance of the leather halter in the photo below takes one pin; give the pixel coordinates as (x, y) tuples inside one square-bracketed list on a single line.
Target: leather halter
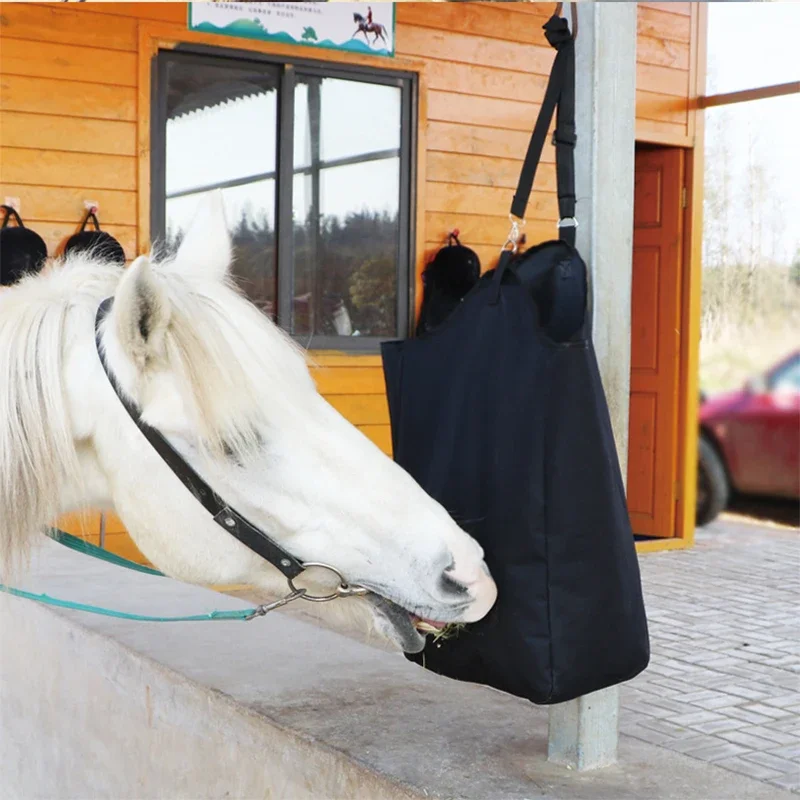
[(228, 518)]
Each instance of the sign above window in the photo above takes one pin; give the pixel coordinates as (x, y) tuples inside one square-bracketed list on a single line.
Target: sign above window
[(354, 27)]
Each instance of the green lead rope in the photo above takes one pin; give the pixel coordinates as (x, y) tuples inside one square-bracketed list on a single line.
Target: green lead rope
[(245, 613), (80, 546)]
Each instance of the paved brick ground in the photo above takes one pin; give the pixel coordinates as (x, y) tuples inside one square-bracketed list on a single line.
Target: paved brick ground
[(724, 681)]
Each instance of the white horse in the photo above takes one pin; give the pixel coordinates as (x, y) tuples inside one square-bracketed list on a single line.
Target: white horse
[(234, 397)]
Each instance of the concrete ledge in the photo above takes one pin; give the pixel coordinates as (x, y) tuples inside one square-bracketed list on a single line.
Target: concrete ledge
[(94, 707)]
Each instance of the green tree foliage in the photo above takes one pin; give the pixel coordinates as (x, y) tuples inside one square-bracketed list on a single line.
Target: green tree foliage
[(254, 262), (350, 262), (794, 269)]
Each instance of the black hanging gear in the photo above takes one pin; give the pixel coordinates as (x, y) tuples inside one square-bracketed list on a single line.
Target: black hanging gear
[(500, 415), (454, 270), (22, 251), (100, 244)]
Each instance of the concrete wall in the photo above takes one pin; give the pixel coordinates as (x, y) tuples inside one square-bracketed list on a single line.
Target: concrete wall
[(93, 707), (83, 717)]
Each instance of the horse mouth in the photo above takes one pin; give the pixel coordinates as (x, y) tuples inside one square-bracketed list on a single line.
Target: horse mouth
[(409, 630)]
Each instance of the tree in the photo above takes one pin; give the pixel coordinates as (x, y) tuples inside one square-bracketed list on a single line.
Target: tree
[(794, 269)]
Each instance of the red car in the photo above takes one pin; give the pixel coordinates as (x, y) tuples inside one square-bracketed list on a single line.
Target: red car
[(750, 440)]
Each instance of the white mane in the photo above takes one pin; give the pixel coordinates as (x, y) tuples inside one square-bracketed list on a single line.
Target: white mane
[(215, 344), (37, 451), (209, 344)]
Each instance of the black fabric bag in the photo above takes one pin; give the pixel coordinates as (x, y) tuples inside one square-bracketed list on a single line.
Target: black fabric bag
[(100, 244), (499, 413), (22, 251)]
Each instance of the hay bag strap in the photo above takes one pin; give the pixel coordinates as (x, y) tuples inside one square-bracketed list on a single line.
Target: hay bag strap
[(560, 95)]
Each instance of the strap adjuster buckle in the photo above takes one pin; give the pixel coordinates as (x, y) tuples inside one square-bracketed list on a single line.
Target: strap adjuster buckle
[(568, 222), (569, 139)]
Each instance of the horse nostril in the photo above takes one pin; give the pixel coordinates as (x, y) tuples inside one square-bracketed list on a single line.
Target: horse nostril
[(450, 586)]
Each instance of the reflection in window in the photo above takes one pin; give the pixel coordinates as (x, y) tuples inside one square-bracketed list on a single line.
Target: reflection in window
[(346, 208), (221, 134), (321, 235)]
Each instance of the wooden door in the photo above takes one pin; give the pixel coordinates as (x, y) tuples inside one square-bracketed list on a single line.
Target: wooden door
[(655, 341)]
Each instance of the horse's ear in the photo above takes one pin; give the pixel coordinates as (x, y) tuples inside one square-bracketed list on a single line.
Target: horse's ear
[(141, 313), (206, 246)]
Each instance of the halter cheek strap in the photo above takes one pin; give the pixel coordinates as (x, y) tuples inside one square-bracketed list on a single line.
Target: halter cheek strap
[(224, 515)]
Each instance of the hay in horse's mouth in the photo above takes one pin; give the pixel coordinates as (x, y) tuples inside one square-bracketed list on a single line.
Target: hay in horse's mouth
[(409, 628), (440, 630), (426, 625), (405, 624)]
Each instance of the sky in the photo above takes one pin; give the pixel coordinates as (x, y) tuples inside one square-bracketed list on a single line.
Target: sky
[(755, 44)]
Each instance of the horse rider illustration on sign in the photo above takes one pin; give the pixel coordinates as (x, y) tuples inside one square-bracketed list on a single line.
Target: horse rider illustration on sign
[(367, 26)]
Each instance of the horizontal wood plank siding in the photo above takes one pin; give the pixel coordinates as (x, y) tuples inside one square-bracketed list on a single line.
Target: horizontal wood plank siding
[(60, 204), (663, 72), (41, 168), (69, 96), (68, 62)]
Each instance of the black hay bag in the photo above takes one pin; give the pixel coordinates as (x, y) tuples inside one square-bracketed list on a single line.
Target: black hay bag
[(499, 414), (509, 430)]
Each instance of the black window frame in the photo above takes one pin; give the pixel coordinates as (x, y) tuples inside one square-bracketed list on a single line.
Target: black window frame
[(289, 68)]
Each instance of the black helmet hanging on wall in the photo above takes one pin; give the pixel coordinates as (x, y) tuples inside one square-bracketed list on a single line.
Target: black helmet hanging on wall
[(102, 245), (22, 251), (455, 269)]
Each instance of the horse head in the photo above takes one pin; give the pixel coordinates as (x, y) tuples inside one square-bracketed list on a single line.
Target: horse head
[(234, 396)]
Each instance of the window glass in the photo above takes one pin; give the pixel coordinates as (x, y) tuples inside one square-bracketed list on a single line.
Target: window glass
[(221, 134), (342, 273), (346, 208)]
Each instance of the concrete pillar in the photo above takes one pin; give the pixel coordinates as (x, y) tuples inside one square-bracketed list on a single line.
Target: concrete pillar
[(584, 732)]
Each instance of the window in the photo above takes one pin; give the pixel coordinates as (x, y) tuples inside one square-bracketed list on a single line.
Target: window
[(315, 167)]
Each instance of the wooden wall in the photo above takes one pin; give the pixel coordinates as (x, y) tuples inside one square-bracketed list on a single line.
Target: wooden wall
[(666, 66), (68, 133), (486, 69)]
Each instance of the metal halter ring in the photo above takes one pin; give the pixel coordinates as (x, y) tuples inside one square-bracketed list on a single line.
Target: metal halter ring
[(344, 589)]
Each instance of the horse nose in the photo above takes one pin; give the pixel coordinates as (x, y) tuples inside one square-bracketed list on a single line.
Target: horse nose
[(450, 587), (475, 586)]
